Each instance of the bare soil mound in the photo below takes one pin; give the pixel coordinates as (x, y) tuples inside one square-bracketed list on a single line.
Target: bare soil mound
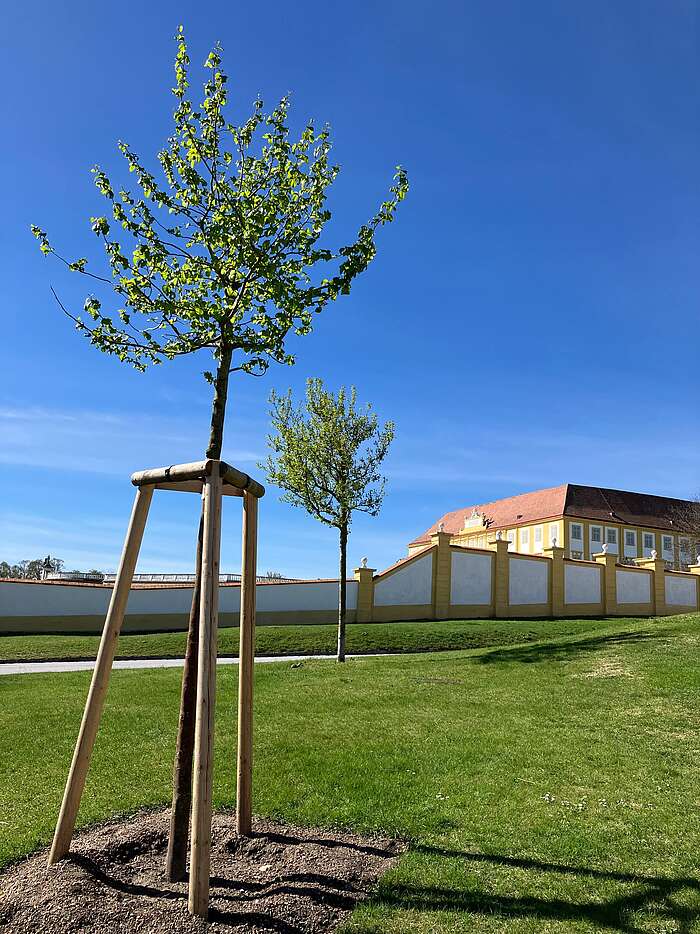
[(283, 879)]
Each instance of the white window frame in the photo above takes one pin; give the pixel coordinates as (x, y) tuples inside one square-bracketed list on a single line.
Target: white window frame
[(539, 532), (595, 547), (614, 544), (647, 549), (525, 540), (668, 553), (553, 533), (630, 551), (576, 538), (510, 538)]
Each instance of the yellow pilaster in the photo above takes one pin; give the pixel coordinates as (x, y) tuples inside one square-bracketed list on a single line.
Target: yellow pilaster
[(557, 579), (365, 592), (502, 576), (609, 563), (658, 567), (442, 575)]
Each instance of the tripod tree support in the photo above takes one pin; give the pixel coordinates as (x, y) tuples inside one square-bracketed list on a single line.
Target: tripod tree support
[(211, 478)]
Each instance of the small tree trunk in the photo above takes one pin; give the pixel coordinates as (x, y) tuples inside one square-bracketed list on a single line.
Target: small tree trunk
[(176, 859), (342, 591), (218, 409)]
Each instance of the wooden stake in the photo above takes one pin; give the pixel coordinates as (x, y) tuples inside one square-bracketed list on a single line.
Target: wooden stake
[(246, 659), (176, 859), (198, 901), (100, 677)]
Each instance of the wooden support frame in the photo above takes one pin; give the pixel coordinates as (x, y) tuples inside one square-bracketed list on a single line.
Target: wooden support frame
[(100, 677), (246, 661), (203, 765), (213, 479)]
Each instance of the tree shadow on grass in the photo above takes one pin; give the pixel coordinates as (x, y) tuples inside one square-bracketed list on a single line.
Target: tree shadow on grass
[(651, 892), (563, 651)]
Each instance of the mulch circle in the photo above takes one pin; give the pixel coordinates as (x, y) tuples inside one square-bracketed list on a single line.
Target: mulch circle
[(282, 878)]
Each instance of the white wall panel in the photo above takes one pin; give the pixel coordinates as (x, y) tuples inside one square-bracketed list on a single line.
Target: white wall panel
[(310, 595), (582, 583), (66, 600), (633, 586), (410, 585), (528, 581), (471, 579), (680, 591), (52, 600)]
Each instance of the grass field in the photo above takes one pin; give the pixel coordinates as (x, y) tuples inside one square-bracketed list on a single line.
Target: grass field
[(548, 787), (315, 640)]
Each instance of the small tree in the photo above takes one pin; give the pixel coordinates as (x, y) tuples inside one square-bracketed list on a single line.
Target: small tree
[(223, 254), (326, 455)]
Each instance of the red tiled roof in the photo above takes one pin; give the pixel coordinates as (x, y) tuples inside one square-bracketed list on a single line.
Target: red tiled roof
[(502, 513), (570, 499)]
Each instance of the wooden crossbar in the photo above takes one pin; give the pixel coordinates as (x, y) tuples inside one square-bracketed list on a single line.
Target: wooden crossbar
[(198, 471)]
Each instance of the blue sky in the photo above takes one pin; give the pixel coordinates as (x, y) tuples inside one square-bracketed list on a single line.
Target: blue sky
[(530, 319)]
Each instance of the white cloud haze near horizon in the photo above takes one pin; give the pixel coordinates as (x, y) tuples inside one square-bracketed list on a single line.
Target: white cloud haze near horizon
[(290, 541)]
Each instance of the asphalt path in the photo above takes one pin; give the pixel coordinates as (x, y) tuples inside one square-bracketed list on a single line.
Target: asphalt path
[(35, 668)]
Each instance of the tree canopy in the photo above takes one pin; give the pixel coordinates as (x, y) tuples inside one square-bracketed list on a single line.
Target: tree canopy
[(223, 250), (326, 453)]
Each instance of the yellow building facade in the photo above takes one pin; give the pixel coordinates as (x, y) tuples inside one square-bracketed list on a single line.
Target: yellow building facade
[(584, 521)]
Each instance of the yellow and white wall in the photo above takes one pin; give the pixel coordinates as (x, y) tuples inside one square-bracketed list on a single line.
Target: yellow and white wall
[(441, 581)]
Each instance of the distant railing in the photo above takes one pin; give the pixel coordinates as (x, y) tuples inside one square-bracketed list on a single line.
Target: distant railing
[(83, 577), (189, 579)]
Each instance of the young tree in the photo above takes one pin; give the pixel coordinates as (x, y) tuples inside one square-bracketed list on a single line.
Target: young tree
[(326, 455), (223, 253)]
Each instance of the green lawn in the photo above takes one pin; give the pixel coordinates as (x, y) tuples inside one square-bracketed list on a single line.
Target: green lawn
[(316, 640), (549, 787)]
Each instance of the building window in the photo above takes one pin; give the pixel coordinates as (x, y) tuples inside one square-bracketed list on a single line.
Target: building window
[(648, 541), (553, 533), (611, 536), (511, 540), (524, 539), (667, 545), (596, 534), (538, 537), (576, 532), (578, 555)]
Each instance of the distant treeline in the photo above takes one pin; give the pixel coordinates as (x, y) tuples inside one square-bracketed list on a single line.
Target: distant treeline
[(34, 570)]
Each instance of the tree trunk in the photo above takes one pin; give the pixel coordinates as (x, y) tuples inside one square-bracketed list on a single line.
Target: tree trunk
[(176, 859), (342, 591), (218, 409)]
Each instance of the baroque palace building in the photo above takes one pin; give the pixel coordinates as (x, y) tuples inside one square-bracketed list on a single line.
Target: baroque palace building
[(581, 519)]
